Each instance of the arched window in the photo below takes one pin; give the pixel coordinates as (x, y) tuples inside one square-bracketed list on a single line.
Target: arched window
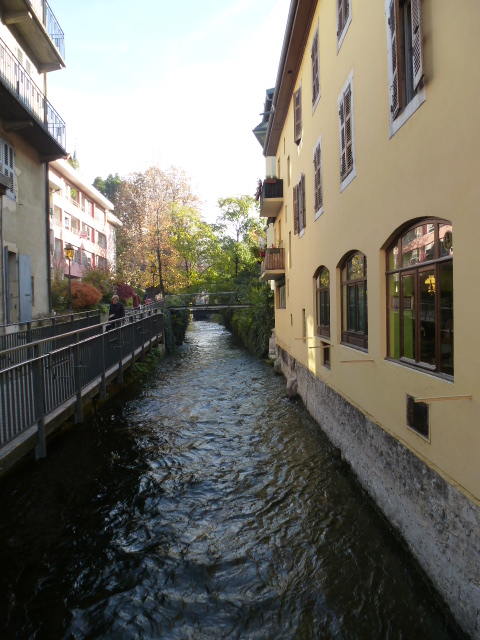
[(354, 301), (420, 297), (322, 279)]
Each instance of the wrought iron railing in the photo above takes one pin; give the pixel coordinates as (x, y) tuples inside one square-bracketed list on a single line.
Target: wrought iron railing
[(22, 85)]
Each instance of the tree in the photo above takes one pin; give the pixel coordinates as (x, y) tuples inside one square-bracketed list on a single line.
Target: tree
[(108, 187), (241, 231)]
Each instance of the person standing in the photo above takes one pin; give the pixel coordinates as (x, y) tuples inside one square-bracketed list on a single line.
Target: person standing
[(116, 312)]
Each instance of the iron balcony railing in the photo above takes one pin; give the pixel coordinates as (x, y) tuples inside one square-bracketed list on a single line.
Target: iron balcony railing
[(46, 16), (22, 85)]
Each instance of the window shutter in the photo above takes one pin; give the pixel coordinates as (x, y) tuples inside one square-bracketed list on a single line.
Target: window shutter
[(339, 18), (295, 209), (315, 70), (297, 115), (317, 164), (9, 166), (343, 160), (417, 43), (395, 87), (348, 129), (303, 203)]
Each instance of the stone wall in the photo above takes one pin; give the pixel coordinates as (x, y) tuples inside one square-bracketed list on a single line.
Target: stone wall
[(440, 525)]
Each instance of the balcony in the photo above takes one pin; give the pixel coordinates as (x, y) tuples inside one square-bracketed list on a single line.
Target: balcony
[(24, 108), (271, 197), (273, 265), (35, 27)]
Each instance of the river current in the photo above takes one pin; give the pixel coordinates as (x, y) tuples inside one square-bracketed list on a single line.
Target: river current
[(202, 504)]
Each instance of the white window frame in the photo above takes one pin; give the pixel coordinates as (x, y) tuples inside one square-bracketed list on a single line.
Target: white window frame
[(352, 174), (341, 36), (297, 116), (7, 166), (315, 39), (318, 144), (395, 123)]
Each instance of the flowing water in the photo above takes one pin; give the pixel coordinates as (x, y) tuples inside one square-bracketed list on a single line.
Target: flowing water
[(202, 504)]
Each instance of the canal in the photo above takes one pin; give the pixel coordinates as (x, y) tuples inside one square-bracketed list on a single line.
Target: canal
[(202, 504)]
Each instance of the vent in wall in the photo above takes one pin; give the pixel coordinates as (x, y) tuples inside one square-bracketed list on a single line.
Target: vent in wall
[(418, 417)]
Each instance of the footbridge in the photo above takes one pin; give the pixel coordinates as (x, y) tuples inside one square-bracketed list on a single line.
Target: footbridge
[(205, 301)]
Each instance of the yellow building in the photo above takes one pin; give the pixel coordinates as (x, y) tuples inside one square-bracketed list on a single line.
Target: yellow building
[(31, 135), (371, 153)]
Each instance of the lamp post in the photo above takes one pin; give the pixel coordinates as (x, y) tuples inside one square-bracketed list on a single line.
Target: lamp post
[(69, 254), (153, 271)]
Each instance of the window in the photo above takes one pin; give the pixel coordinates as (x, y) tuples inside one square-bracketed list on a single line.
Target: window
[(101, 240), (101, 262), (326, 354), (317, 172), (315, 71), (322, 279), (347, 134), (297, 115), (75, 225), (7, 166), (420, 297), (299, 216), (344, 17), (405, 68), (67, 222), (86, 259), (57, 214), (281, 296), (354, 301)]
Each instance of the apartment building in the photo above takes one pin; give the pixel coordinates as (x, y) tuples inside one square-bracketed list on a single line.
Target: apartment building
[(31, 135), (371, 154), (81, 216)]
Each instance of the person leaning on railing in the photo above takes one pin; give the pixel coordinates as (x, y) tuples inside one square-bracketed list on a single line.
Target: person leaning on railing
[(116, 313)]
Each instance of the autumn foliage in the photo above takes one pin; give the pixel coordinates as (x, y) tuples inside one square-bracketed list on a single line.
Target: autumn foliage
[(84, 295)]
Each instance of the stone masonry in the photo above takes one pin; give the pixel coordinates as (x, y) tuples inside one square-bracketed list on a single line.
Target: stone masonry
[(438, 522)]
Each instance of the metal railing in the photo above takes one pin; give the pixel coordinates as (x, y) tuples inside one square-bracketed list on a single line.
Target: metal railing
[(49, 21), (31, 390), (15, 339), (203, 300), (22, 85)]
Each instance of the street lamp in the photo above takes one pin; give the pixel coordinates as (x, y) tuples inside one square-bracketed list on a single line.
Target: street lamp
[(153, 271), (69, 254)]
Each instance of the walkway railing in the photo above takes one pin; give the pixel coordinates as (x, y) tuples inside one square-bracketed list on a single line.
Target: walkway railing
[(49, 21), (33, 390), (204, 300), (20, 335)]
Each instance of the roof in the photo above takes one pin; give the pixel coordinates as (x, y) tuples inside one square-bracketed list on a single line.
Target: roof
[(299, 21), (74, 177)]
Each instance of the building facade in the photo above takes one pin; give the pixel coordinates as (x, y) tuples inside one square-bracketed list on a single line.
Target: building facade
[(81, 216), (371, 152), (31, 135)]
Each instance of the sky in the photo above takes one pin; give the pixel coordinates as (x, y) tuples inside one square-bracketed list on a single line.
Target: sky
[(163, 83)]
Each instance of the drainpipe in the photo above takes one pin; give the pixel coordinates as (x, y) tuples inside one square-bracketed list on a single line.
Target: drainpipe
[(49, 266), (4, 184)]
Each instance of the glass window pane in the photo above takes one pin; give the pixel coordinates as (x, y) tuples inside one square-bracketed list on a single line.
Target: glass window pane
[(408, 316), (427, 286), (393, 317), (446, 240), (355, 267), (360, 308), (446, 317), (351, 308), (324, 278), (418, 245)]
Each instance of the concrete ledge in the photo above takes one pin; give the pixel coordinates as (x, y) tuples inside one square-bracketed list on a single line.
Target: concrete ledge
[(439, 524)]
